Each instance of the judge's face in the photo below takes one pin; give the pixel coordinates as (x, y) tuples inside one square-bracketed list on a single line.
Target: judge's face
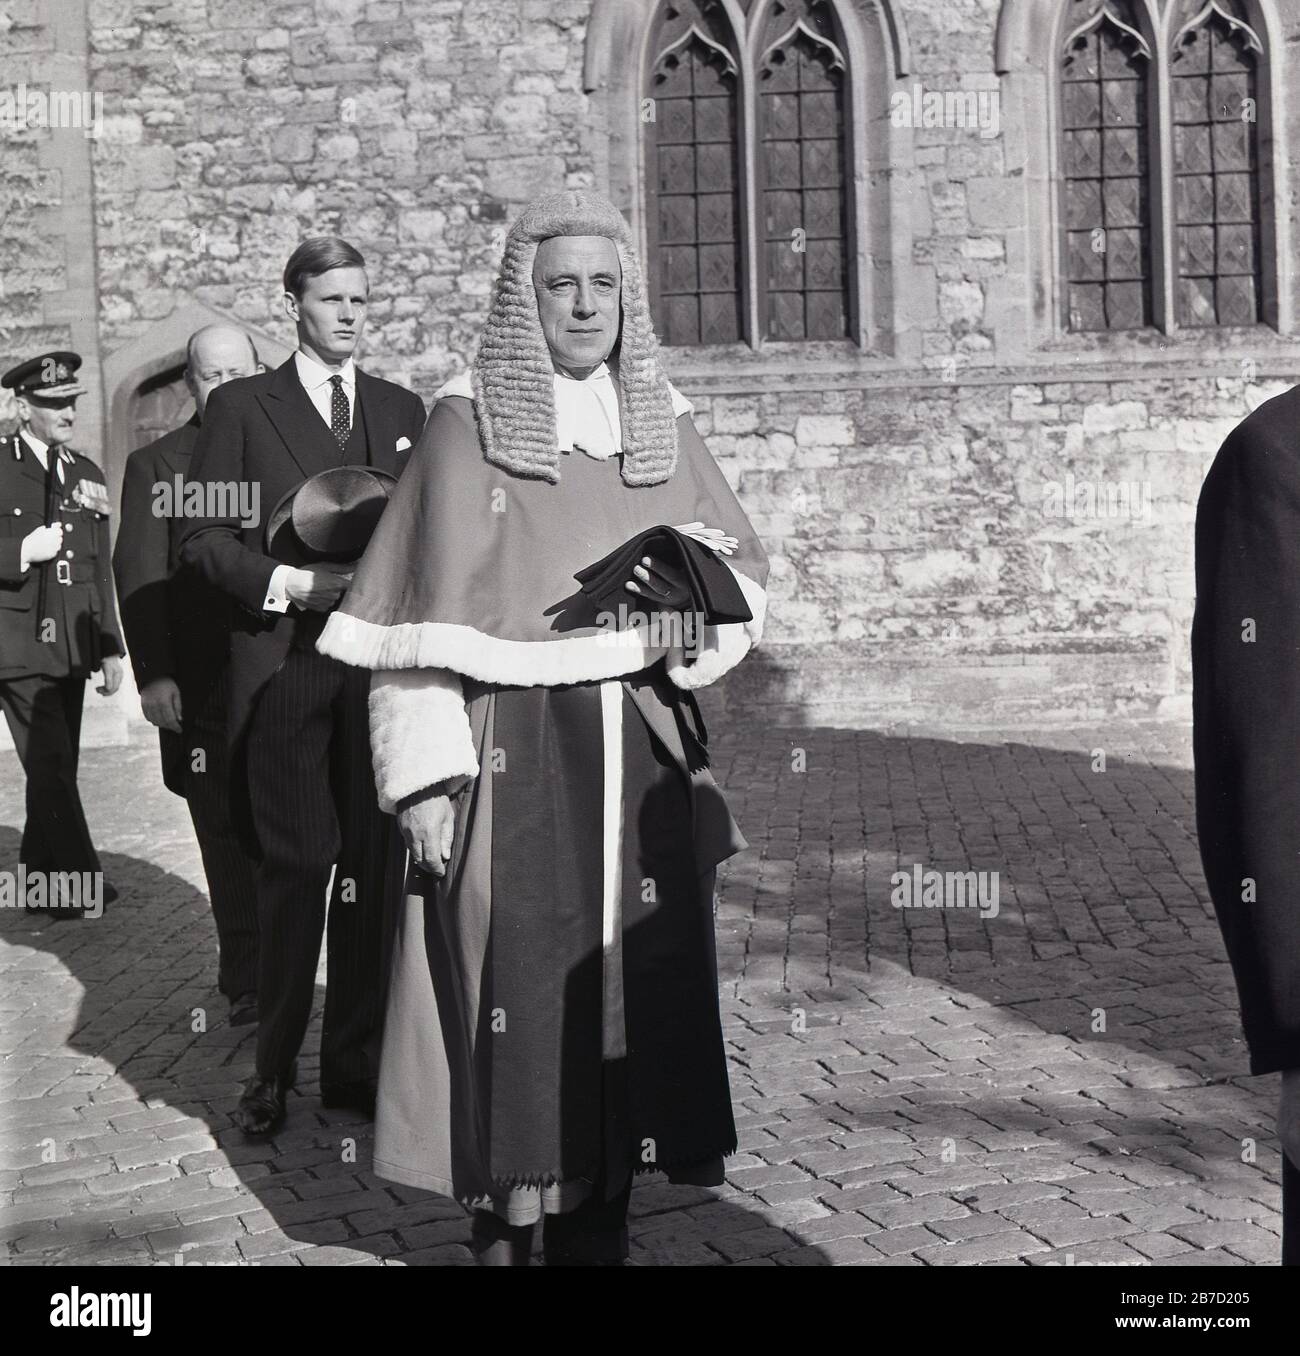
[(578, 280)]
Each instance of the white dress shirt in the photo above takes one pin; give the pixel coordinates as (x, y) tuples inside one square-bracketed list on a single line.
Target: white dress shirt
[(315, 380)]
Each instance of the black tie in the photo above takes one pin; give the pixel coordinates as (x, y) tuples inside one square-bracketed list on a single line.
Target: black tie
[(340, 414)]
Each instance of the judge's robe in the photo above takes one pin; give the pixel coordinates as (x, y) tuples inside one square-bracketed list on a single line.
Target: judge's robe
[(1246, 731), (553, 1020)]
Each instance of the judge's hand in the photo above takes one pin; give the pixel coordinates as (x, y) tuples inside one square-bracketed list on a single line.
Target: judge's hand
[(718, 541), (1288, 1116), (427, 826), (318, 587), (662, 586), (111, 667), (161, 703)]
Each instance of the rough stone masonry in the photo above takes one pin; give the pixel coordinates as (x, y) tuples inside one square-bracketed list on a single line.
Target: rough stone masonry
[(924, 498)]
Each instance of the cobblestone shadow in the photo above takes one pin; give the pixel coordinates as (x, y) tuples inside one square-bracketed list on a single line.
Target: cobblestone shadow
[(1064, 1082), (120, 1074)]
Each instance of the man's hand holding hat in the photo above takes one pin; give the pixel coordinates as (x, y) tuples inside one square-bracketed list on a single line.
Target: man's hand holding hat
[(317, 587)]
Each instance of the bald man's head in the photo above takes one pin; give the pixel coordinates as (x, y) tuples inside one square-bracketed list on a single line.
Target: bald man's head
[(217, 354)]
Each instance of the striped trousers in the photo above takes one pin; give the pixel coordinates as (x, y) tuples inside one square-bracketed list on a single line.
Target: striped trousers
[(315, 809)]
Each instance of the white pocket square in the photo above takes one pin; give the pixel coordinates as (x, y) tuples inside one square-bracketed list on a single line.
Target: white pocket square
[(402, 444)]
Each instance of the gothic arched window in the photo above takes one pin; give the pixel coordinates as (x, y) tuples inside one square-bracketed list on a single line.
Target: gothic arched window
[(1105, 128), (1216, 169), (693, 180), (801, 78), (1162, 212), (749, 183)]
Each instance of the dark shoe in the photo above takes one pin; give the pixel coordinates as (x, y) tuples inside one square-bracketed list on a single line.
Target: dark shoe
[(350, 1096), (243, 1009), (495, 1243), (261, 1109), (57, 913)]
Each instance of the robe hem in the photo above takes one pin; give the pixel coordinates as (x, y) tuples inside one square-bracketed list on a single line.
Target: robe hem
[(427, 1181)]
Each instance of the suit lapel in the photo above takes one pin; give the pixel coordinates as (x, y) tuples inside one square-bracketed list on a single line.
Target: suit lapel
[(179, 451), (373, 396), (304, 433)]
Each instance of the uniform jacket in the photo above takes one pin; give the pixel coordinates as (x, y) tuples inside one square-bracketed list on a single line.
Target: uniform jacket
[(177, 626), (264, 431), (78, 587), (1246, 706)]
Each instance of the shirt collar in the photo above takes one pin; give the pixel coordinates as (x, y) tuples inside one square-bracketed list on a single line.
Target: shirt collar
[(41, 449), (600, 373), (313, 374)]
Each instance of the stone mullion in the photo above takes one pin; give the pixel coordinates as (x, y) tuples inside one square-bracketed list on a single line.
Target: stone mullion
[(752, 234), (1163, 214)]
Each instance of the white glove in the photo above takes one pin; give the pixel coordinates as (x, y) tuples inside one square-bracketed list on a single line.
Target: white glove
[(40, 544)]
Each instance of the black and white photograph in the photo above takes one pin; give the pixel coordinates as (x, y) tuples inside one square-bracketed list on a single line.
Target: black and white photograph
[(649, 633)]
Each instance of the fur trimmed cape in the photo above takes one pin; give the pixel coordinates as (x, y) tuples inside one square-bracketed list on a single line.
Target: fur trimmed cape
[(470, 574), (472, 569)]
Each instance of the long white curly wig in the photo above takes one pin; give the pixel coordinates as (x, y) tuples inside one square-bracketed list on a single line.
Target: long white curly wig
[(513, 379)]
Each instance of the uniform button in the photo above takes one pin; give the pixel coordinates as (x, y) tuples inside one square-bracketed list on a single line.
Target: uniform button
[(18, 513), (68, 554), (67, 527)]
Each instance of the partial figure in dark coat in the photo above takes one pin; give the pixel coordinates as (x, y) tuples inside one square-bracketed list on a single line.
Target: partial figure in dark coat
[(178, 633), (1246, 681)]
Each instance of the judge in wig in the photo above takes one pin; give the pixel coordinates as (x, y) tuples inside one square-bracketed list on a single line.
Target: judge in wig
[(553, 1024)]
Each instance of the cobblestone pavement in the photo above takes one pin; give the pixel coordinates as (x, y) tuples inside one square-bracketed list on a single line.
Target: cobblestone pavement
[(1061, 1084)]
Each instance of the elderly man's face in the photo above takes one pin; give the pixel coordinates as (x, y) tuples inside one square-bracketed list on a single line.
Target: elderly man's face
[(218, 355), (52, 421), (578, 280)]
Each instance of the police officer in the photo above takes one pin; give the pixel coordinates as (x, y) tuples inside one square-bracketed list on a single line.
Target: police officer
[(58, 618)]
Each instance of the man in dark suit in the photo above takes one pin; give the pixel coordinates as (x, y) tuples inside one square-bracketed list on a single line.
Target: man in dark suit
[(58, 619), (297, 721), (178, 630)]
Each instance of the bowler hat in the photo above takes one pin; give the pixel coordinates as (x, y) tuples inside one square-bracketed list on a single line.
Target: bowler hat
[(329, 517)]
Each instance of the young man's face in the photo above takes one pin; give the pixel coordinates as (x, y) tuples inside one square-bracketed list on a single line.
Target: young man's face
[(331, 313), (578, 283), (52, 421)]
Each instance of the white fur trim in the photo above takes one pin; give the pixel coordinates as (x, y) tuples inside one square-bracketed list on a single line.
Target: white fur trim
[(419, 733), (721, 648), (523, 663)]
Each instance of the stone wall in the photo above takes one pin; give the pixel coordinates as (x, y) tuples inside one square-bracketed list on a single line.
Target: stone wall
[(968, 554), (416, 129), (919, 573)]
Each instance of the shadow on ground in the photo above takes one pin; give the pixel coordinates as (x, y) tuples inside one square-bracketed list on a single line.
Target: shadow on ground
[(1063, 1082)]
